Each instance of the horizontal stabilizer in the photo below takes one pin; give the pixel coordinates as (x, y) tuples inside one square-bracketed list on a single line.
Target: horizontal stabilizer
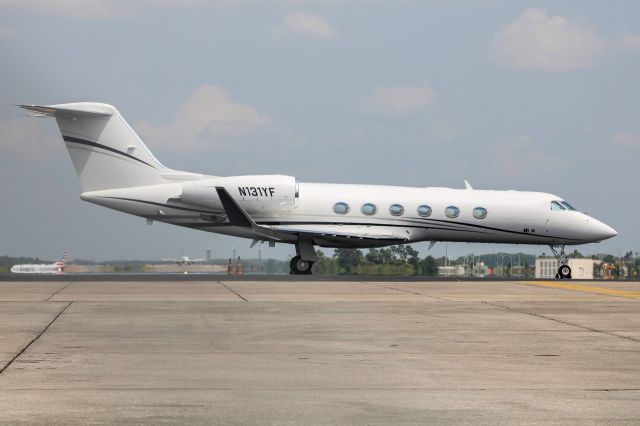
[(68, 110)]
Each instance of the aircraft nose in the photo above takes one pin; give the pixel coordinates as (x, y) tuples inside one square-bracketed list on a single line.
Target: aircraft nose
[(601, 231), (609, 231)]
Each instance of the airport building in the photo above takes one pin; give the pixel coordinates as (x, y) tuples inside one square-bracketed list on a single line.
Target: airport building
[(452, 270), (547, 267), (479, 269)]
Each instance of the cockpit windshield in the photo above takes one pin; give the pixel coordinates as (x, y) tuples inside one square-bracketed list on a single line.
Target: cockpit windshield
[(561, 205)]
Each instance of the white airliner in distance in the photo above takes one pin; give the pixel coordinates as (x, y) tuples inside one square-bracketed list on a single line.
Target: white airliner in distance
[(184, 260), (118, 171), (52, 268)]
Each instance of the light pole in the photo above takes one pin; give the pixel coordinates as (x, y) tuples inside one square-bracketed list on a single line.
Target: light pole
[(446, 259), (510, 264), (473, 265)]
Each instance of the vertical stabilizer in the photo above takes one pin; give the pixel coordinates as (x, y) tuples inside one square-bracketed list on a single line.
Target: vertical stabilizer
[(105, 151)]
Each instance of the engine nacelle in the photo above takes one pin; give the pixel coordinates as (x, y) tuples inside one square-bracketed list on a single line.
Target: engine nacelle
[(258, 194)]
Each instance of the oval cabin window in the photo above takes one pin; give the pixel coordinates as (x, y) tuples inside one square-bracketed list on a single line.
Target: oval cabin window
[(369, 209), (452, 211), (479, 212), (341, 208), (396, 210), (424, 211)]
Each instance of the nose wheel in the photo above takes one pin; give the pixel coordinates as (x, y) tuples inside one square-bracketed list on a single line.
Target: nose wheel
[(300, 266), (564, 271)]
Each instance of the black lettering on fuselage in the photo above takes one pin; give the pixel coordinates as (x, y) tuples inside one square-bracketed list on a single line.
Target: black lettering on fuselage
[(256, 191)]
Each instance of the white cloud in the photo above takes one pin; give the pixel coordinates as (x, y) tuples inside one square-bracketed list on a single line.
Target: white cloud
[(305, 24), (394, 101), (626, 139), (206, 115), (536, 40)]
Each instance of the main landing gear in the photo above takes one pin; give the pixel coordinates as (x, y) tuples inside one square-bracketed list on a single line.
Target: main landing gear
[(300, 266), (564, 271), (302, 262)]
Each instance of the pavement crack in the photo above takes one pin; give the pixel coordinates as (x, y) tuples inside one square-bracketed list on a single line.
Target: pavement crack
[(58, 291), (406, 291), (232, 291), (595, 330), (44, 330)]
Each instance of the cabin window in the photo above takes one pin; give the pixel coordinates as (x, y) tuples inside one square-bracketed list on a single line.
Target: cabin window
[(452, 211), (396, 210), (369, 209), (341, 208), (556, 206), (479, 212), (567, 205), (424, 210)]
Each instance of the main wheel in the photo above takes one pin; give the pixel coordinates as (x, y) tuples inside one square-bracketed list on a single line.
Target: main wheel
[(564, 271), (300, 266)]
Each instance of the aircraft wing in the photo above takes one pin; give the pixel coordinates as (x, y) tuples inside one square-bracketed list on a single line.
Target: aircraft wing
[(342, 232), (335, 233)]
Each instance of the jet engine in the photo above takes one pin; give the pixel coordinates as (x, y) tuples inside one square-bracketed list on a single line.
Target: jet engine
[(259, 194)]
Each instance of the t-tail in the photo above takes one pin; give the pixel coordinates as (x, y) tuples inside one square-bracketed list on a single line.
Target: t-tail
[(62, 263), (105, 150)]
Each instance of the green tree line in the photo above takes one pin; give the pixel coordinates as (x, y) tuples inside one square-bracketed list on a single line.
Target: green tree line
[(395, 260)]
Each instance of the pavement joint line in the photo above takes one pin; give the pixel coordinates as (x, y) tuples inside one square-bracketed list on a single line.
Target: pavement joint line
[(333, 388), (232, 291), (58, 291), (561, 321), (613, 292), (406, 291), (44, 330)]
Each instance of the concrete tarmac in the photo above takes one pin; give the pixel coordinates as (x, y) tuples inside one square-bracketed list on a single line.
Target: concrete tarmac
[(314, 352)]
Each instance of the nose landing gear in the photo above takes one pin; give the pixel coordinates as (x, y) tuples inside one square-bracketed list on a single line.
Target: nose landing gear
[(564, 271)]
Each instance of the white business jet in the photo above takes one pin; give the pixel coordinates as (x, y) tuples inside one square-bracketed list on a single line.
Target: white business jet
[(49, 268), (118, 171)]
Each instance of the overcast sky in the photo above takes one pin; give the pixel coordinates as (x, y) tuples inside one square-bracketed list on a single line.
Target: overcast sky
[(530, 95)]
